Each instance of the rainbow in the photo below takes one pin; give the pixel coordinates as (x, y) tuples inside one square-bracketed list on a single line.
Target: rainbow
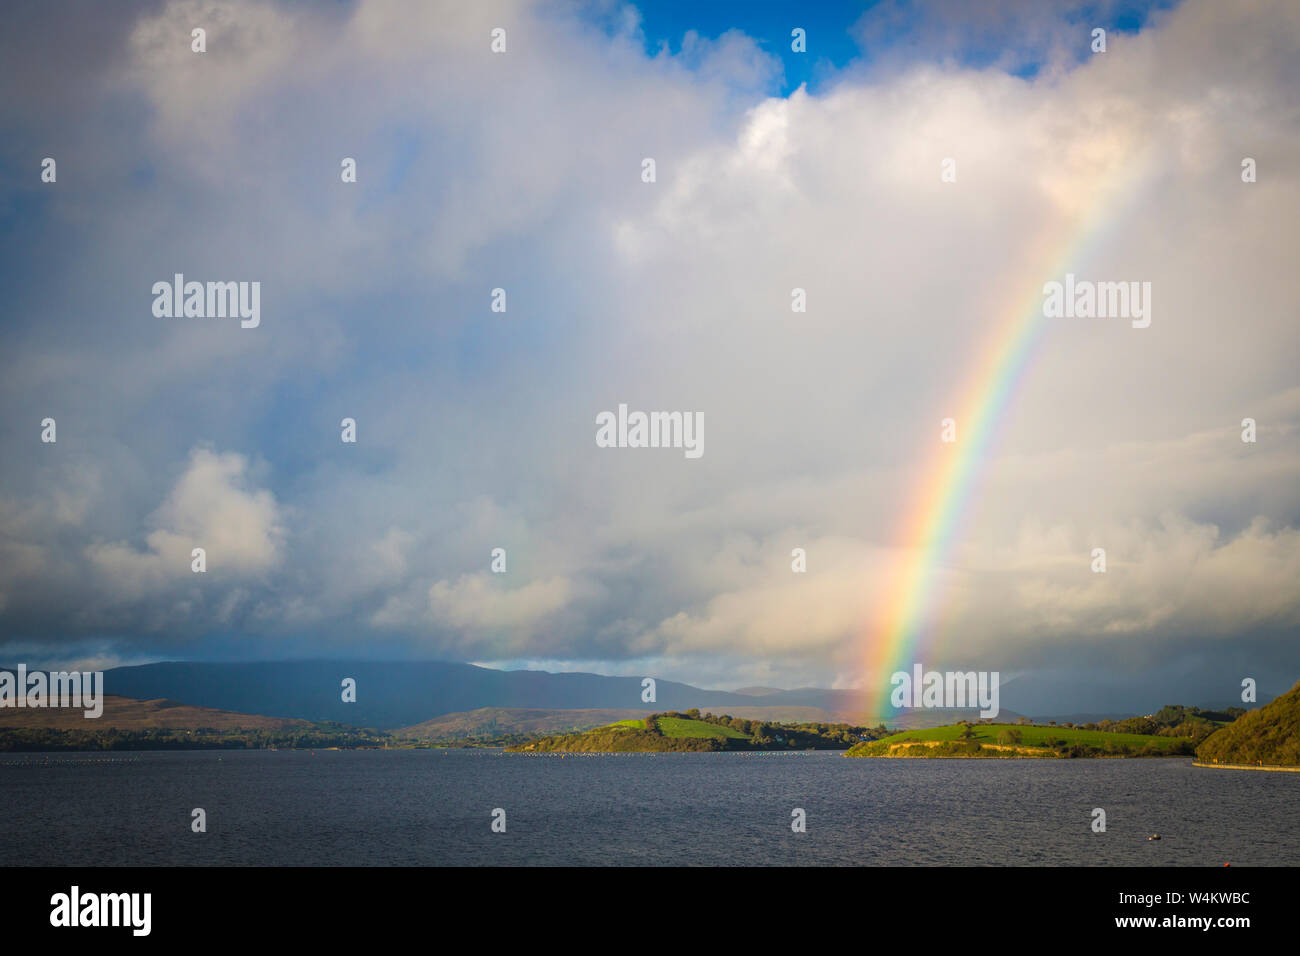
[(900, 627)]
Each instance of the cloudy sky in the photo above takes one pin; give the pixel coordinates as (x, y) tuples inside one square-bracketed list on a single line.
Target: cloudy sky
[(775, 170)]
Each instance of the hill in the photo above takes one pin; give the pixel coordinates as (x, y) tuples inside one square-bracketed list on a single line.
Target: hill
[(688, 727), (692, 731), (1269, 736), (125, 713), (160, 724), (500, 721)]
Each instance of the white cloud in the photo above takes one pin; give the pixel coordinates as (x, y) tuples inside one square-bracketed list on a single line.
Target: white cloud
[(211, 507), (522, 171), (480, 604)]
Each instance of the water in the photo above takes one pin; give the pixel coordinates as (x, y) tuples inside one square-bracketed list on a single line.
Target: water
[(434, 807)]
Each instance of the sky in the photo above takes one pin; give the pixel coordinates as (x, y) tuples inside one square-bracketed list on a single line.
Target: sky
[(774, 170)]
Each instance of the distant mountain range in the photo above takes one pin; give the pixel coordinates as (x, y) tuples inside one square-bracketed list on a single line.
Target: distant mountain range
[(392, 695), (398, 694)]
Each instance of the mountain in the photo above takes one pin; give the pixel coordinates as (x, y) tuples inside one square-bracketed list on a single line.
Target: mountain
[(400, 694), (1269, 736), (397, 694)]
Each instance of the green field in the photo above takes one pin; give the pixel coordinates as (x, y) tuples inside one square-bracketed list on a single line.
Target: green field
[(684, 727), (1035, 736), (633, 724)]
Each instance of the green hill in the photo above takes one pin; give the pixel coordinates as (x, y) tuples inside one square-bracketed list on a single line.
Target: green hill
[(1010, 740), (497, 722), (686, 727), (1269, 736), (693, 731)]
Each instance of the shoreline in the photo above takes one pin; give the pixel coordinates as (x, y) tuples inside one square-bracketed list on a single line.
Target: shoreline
[(1245, 766)]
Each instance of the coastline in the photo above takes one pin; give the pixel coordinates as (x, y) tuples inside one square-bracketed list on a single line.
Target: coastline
[(1245, 766)]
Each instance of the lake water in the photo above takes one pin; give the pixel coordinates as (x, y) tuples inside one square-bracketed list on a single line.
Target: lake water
[(435, 807)]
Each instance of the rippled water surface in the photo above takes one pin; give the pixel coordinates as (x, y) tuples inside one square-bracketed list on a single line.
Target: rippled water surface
[(435, 807)]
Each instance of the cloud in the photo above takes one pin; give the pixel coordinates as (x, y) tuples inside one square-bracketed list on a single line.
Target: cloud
[(475, 429), (211, 507), (475, 603)]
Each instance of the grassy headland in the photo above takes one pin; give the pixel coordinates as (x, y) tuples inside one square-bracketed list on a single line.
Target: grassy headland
[(1173, 731), (1010, 740), (1268, 737), (693, 731)]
